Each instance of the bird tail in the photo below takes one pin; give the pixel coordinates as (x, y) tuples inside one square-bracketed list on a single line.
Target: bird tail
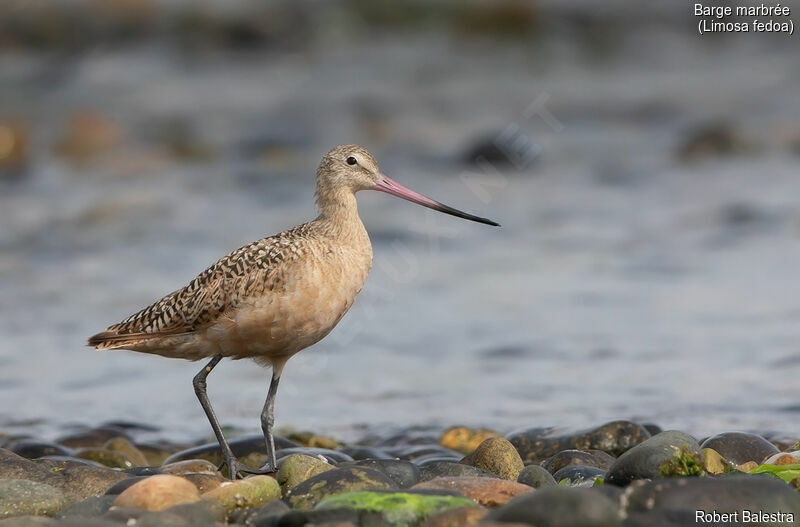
[(109, 340)]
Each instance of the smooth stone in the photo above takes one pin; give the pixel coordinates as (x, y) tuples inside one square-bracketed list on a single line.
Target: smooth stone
[(412, 452), (645, 460), (333, 456), (498, 456), (326, 518), (154, 453), (421, 461), (32, 449), (404, 473), (249, 450), (126, 448), (78, 481), (489, 492), (157, 493), (536, 476), (450, 469), (91, 507), (272, 510), (465, 440), (183, 515), (105, 457), (358, 452), (253, 491), (312, 440), (59, 460), (19, 497), (13, 466), (190, 466), (205, 482), (392, 508), (678, 499), (121, 486), (782, 458), (652, 428), (456, 517), (339, 481), (568, 458), (297, 468), (30, 521), (559, 507), (741, 447), (91, 438), (713, 462), (577, 475), (616, 437), (143, 471)]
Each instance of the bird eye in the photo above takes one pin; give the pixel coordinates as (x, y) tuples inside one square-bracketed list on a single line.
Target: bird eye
[(351, 160)]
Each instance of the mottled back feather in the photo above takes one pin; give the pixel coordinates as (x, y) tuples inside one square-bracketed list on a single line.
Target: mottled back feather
[(249, 270)]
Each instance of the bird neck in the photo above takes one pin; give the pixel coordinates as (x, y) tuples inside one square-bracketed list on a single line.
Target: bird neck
[(338, 208)]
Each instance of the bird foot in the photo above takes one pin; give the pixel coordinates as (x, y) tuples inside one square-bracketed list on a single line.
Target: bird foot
[(238, 470)]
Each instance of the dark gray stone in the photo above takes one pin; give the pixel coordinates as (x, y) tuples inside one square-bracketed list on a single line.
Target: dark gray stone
[(536, 476), (645, 460), (579, 475), (450, 469), (359, 452), (559, 507), (616, 437), (316, 488), (334, 457), (120, 486), (260, 515), (676, 500), (568, 458), (412, 452), (20, 497), (32, 449), (404, 473), (91, 507), (741, 447)]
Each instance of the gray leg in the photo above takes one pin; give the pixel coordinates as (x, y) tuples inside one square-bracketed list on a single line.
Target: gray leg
[(199, 383), (267, 420)]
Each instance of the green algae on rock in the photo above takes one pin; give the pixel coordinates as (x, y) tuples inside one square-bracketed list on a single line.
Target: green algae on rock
[(683, 463), (297, 468), (252, 491), (395, 508), (339, 481)]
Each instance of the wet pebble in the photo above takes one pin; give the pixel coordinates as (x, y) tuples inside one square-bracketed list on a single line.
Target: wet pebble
[(559, 506), (91, 507), (91, 438), (157, 493), (568, 458), (338, 481), (415, 452), (646, 459), (465, 440), (20, 497), (674, 501), (205, 482), (741, 447), (252, 491), (266, 514), (489, 492), (296, 468), (33, 449), (536, 476), (450, 469), (333, 456), (498, 456), (456, 517), (404, 473), (358, 452), (105, 457), (616, 437), (190, 466), (126, 448), (577, 475), (119, 487)]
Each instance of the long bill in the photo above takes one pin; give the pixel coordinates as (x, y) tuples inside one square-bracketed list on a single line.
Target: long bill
[(385, 184)]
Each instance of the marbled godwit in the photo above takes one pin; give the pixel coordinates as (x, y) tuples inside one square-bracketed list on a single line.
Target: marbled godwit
[(270, 299)]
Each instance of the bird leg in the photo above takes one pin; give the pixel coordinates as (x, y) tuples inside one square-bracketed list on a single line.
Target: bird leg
[(235, 468), (267, 420)]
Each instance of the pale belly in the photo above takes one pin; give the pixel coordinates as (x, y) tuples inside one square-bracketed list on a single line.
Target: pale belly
[(314, 296)]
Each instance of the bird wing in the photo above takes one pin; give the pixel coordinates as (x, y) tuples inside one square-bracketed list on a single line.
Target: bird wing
[(249, 270)]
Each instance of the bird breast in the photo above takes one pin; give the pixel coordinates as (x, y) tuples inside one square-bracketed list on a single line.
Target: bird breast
[(303, 302)]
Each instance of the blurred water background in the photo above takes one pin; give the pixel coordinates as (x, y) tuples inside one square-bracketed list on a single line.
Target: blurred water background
[(646, 179)]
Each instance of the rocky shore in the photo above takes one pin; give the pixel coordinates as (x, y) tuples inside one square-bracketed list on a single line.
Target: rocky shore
[(619, 474)]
